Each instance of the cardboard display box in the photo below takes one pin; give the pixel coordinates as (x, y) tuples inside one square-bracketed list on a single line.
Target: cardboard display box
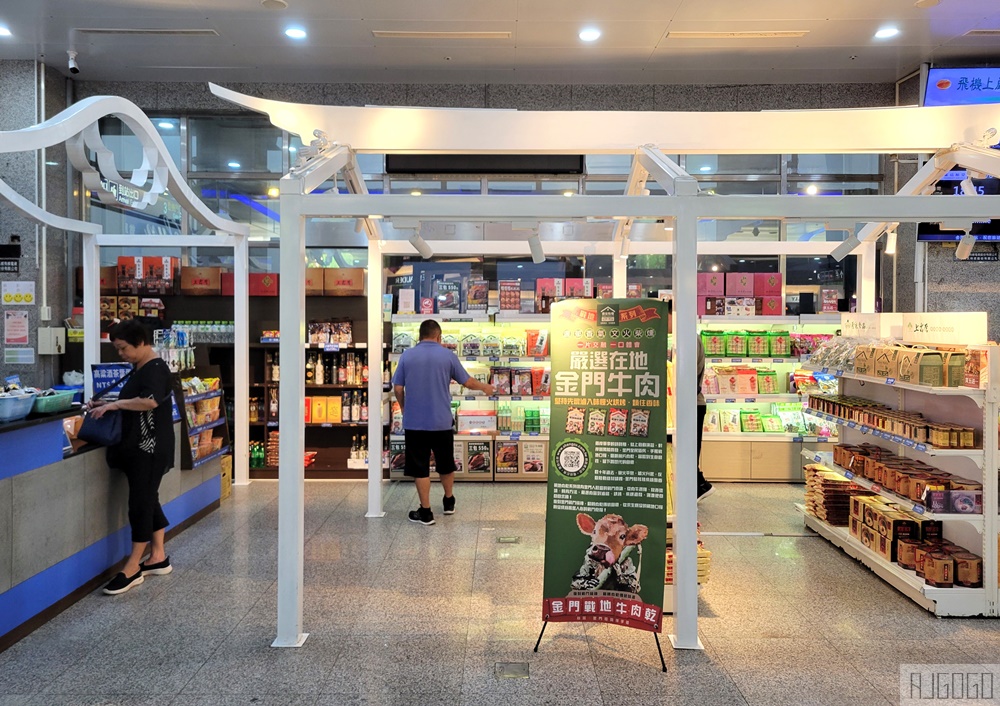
[(201, 281), (344, 281)]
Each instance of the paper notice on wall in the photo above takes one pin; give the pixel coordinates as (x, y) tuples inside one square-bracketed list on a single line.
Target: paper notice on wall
[(19, 356), (15, 328), (17, 293)]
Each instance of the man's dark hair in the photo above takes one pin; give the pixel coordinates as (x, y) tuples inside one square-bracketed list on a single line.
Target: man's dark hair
[(429, 329), (133, 332)]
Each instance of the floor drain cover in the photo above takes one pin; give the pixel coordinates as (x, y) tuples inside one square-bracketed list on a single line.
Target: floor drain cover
[(511, 670), (508, 540)]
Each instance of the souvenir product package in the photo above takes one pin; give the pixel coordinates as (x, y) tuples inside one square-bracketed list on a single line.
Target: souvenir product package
[(574, 420), (617, 422), (640, 423), (520, 379), (596, 419), (541, 382), (538, 342), (500, 379)]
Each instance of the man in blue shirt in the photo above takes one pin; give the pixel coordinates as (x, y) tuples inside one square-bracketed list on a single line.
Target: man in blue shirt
[(421, 383)]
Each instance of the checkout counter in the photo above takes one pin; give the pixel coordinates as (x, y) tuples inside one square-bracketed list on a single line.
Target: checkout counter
[(64, 518)]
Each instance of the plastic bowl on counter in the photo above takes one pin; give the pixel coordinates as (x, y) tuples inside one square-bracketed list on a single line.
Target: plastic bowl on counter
[(14, 407)]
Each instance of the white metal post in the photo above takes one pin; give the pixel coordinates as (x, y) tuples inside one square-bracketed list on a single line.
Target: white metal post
[(91, 310), (991, 520), (619, 275), (685, 280), (291, 418), (919, 281), (867, 252), (241, 341), (376, 285)]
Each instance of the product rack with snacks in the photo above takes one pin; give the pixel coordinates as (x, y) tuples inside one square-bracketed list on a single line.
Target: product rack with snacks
[(921, 442), (500, 437), (205, 433), (753, 400)]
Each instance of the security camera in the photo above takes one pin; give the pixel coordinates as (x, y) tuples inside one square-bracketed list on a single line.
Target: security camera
[(74, 68)]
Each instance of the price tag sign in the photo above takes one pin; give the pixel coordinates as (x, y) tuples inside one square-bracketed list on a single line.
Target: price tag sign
[(897, 439), (825, 370), (796, 438), (921, 447), (864, 430), (730, 400), (840, 373), (750, 399), (848, 475), (909, 442), (515, 398), (817, 458), (852, 425), (331, 347), (919, 509), (737, 360), (515, 360), (327, 425), (272, 424), (821, 440), (494, 359), (890, 381), (717, 360), (876, 488)]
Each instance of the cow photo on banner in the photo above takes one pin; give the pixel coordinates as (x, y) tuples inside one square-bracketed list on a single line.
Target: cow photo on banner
[(605, 523)]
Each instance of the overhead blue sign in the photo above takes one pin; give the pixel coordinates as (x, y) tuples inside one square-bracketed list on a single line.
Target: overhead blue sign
[(962, 86)]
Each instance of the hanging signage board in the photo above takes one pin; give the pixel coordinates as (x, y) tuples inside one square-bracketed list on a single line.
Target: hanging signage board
[(605, 529), (945, 327)]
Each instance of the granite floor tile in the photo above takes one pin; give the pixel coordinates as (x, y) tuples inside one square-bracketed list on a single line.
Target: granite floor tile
[(247, 700), (106, 699), (14, 700), (375, 662)]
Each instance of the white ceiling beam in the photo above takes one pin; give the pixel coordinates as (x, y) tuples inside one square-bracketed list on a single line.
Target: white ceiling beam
[(637, 176), (666, 172)]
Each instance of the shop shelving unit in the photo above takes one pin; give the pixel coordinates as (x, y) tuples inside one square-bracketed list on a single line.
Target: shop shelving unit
[(218, 427), (978, 533), (747, 456)]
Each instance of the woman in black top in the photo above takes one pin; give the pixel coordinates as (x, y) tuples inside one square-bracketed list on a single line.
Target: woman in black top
[(146, 451)]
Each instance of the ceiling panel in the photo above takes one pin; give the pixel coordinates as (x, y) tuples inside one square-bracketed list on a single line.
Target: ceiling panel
[(737, 11), (445, 10), (587, 11), (566, 34), (591, 57)]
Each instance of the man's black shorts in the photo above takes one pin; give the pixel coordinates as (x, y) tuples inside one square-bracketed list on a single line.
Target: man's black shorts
[(419, 445)]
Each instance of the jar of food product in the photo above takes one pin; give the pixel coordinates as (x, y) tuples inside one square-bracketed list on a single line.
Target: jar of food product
[(939, 570), (906, 553), (968, 569)]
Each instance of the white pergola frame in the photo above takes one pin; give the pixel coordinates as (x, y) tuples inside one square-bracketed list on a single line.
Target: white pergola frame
[(77, 128), (482, 131)]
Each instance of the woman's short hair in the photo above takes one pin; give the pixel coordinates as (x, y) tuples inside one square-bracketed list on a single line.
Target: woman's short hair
[(133, 332)]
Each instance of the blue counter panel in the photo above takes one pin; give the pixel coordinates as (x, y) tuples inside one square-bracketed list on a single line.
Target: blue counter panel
[(31, 447), (31, 597)]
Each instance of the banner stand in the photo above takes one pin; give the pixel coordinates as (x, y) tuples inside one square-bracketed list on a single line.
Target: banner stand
[(656, 637)]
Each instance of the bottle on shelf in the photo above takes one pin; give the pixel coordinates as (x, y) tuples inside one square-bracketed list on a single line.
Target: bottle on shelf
[(356, 407), (275, 369), (364, 407), (345, 407), (364, 369), (254, 409), (342, 369), (363, 449), (386, 373), (272, 411), (355, 448), (320, 377), (311, 369), (385, 451)]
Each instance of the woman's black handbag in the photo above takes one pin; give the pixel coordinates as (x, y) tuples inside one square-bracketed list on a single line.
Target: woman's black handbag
[(106, 431)]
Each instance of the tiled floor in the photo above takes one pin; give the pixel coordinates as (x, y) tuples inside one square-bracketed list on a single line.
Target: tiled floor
[(399, 613)]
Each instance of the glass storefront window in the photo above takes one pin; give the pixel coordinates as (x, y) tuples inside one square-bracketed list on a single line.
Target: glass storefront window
[(249, 201), (703, 164), (733, 230), (833, 164), (604, 188), (651, 272), (234, 145), (537, 187), (418, 187), (833, 188)]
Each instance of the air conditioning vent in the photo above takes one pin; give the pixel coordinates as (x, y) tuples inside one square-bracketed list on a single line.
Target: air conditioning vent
[(154, 32), (758, 34), (390, 34)]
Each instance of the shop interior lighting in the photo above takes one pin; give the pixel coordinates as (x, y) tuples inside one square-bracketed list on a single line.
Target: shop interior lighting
[(274, 4), (623, 249), (535, 245), (926, 3), (416, 192), (273, 192), (715, 268), (421, 246), (590, 34), (567, 194), (233, 165), (812, 189), (886, 32), (408, 34), (750, 34), (965, 246), (165, 125), (295, 33), (845, 248)]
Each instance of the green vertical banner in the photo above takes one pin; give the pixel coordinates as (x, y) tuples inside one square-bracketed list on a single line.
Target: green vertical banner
[(606, 516)]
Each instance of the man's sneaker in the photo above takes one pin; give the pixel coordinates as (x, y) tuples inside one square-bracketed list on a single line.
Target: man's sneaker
[(449, 505), (160, 569), (424, 516), (705, 490), (121, 583)]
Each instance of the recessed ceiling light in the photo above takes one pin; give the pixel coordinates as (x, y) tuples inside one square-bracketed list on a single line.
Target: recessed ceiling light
[(886, 33), (590, 34), (234, 165), (416, 192), (705, 168), (52, 164), (812, 189), (274, 4), (742, 260), (926, 3), (4, 32), (567, 193), (746, 34), (165, 125), (295, 33)]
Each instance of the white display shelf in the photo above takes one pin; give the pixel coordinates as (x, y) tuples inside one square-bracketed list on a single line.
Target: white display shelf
[(749, 320), (515, 317), (478, 317), (978, 395), (826, 458), (533, 359), (753, 360), (525, 435), (976, 454), (940, 601), (502, 398), (764, 436), (828, 319), (750, 399)]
